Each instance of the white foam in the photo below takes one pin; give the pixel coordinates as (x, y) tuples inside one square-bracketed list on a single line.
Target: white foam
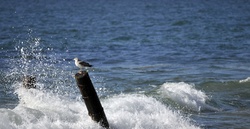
[(142, 112), (245, 80), (38, 109), (186, 96)]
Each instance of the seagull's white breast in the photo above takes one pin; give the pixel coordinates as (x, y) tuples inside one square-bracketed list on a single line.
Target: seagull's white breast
[(78, 64)]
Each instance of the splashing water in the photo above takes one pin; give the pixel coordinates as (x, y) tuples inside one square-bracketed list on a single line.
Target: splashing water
[(41, 62), (245, 80), (186, 96), (56, 103), (50, 111)]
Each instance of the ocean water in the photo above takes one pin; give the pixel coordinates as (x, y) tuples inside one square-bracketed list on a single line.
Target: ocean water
[(161, 64)]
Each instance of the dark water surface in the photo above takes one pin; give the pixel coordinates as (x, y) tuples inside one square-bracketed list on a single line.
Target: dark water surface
[(157, 64)]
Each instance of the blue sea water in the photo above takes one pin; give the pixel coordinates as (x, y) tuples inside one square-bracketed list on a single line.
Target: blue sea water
[(158, 64)]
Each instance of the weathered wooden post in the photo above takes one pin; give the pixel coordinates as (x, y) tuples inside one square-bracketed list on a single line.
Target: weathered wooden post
[(29, 81), (91, 99)]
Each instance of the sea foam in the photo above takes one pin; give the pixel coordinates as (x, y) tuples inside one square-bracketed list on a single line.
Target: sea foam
[(40, 109), (245, 80), (185, 95)]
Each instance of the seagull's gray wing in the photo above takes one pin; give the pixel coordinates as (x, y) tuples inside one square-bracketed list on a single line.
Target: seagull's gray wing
[(85, 64)]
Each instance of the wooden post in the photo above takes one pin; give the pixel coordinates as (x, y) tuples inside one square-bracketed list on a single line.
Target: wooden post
[(29, 81), (91, 99)]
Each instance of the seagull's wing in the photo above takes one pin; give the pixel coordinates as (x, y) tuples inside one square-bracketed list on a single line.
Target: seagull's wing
[(85, 64)]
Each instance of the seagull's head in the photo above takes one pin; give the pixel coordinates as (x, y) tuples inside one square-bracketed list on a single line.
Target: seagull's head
[(76, 59)]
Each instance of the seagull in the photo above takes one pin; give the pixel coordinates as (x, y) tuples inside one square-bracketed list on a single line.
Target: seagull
[(81, 64)]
